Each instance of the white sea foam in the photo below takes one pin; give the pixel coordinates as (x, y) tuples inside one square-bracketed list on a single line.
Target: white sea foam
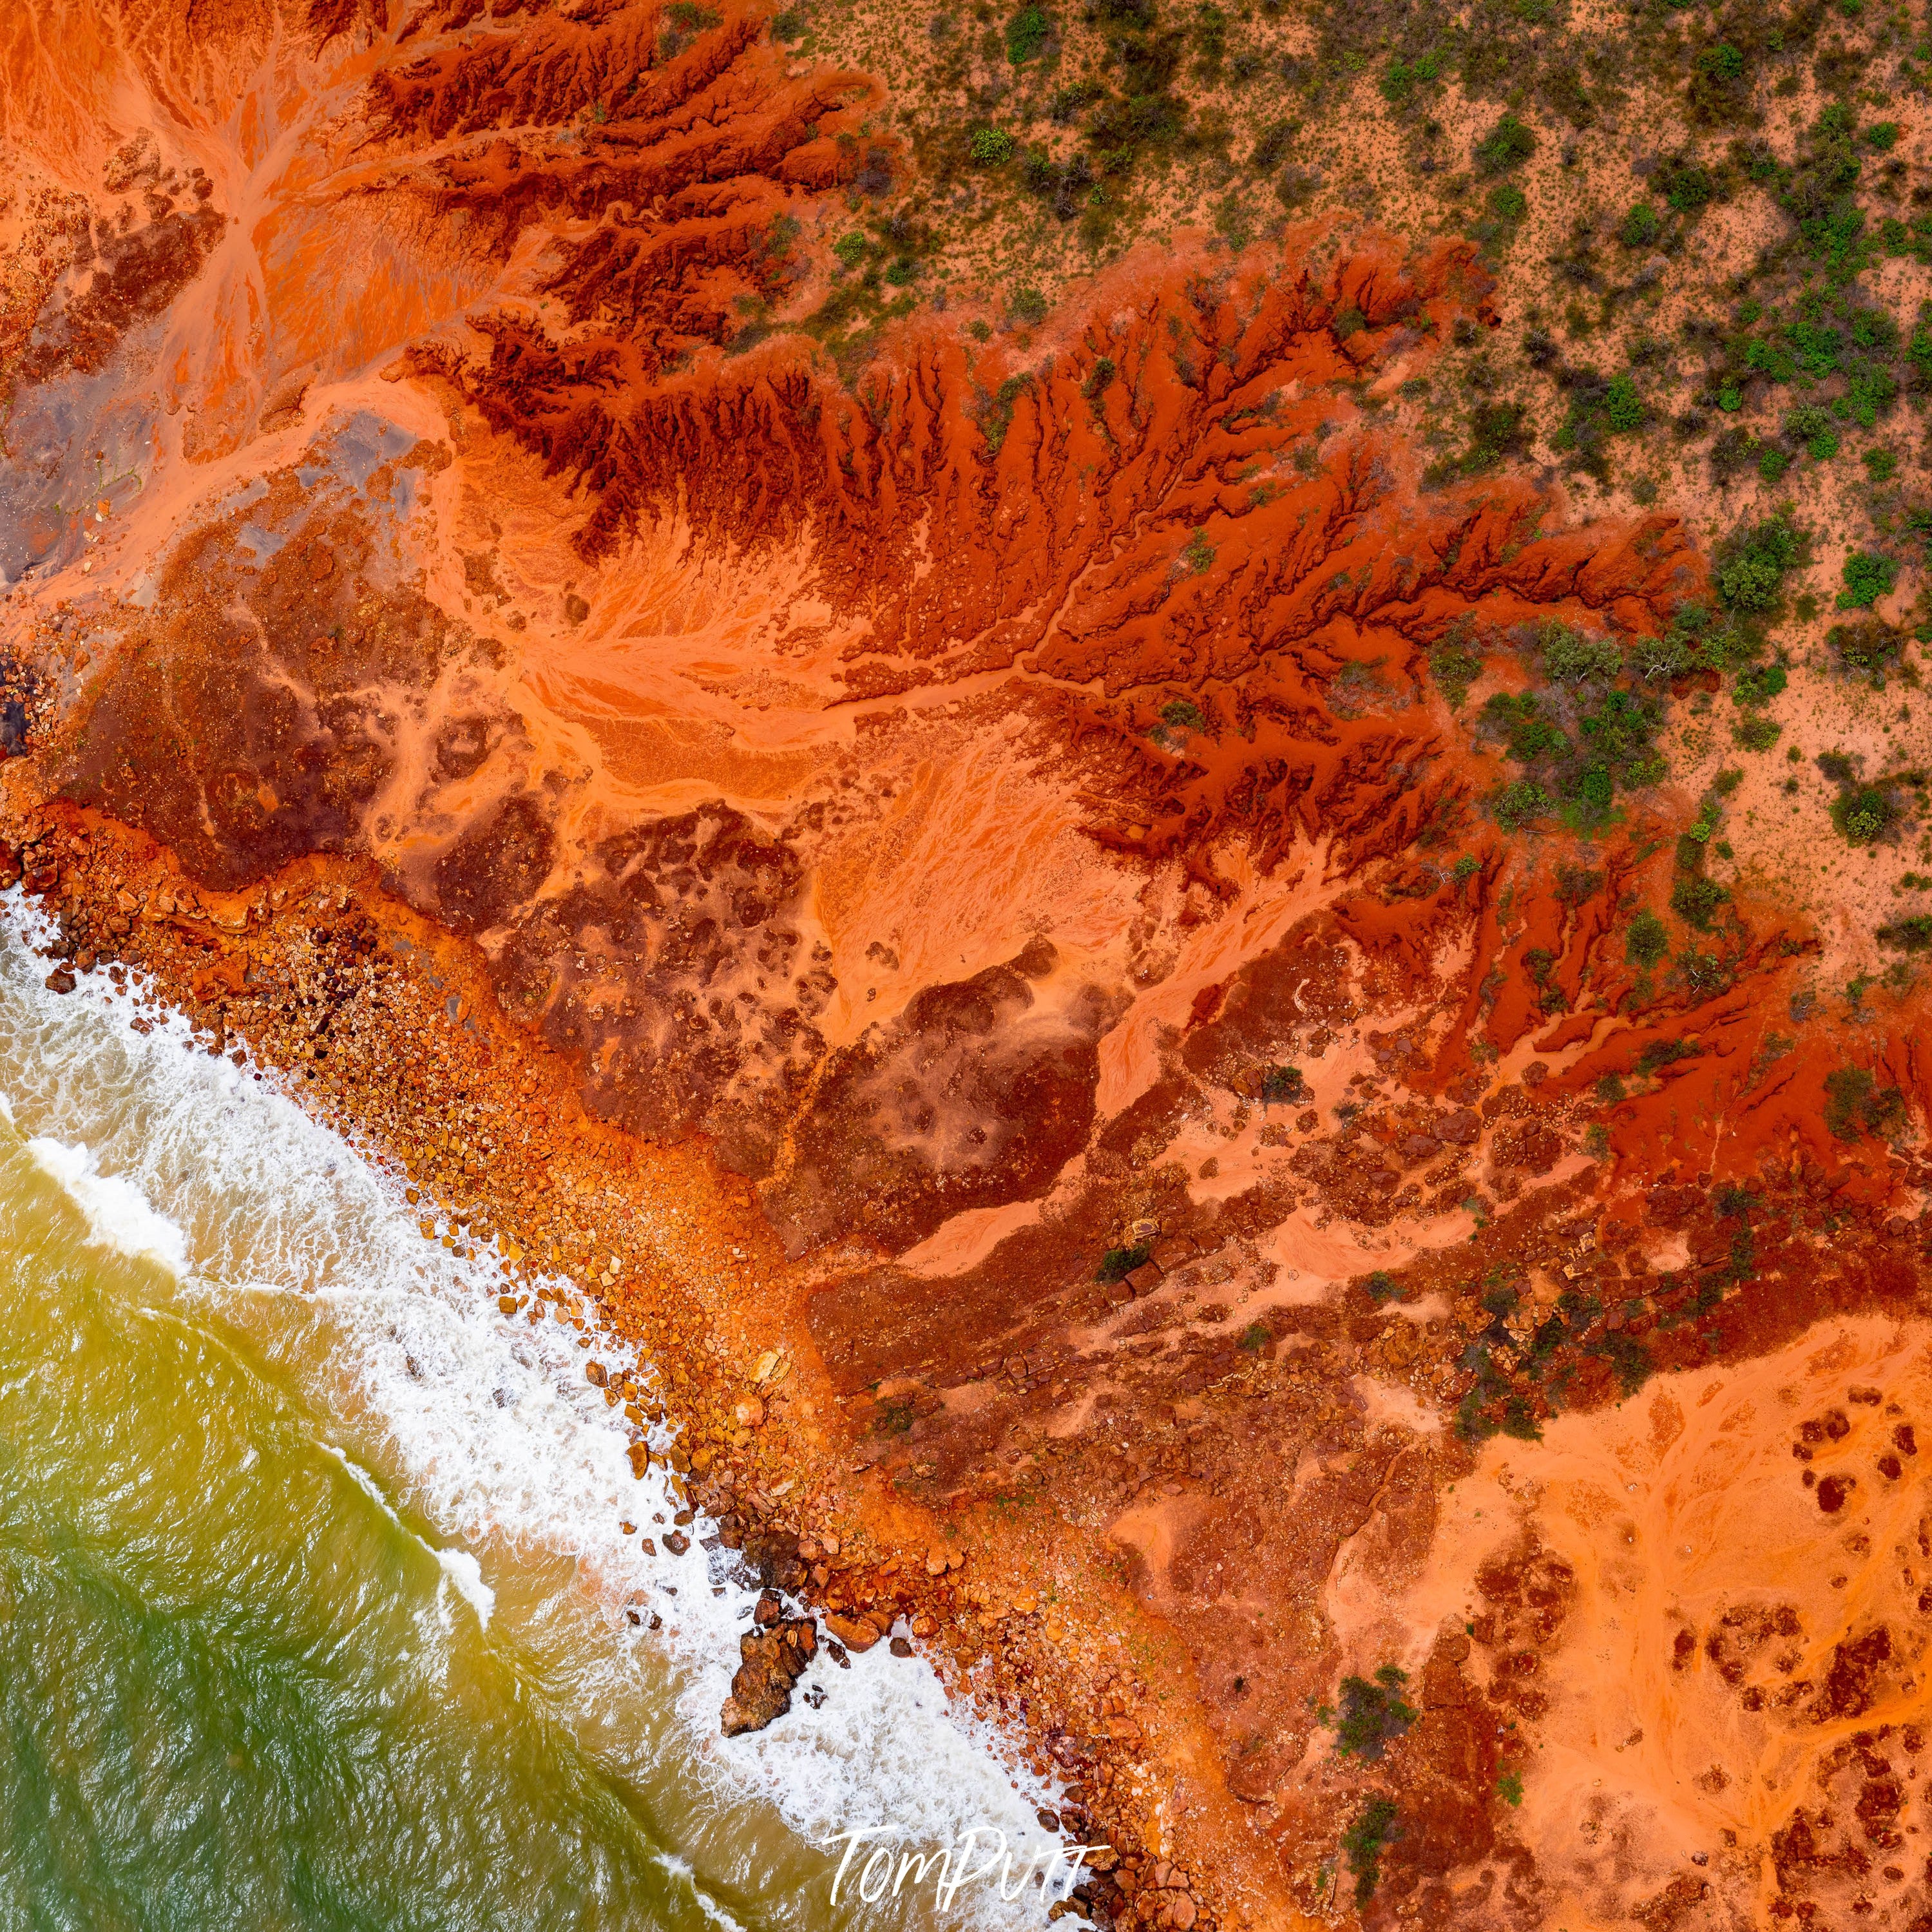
[(466, 1573), (118, 1214), (485, 1426)]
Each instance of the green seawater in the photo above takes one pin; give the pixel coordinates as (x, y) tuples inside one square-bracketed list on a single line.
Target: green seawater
[(315, 1610), (232, 1689)]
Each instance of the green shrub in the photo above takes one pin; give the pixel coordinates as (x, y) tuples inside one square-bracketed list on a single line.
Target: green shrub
[(1569, 655), (1751, 564), (1724, 62), (1759, 684), (1283, 1086), (1116, 1264), (1372, 1715), (1646, 939), (1863, 815), (1912, 934), (1029, 306), (1695, 900), (1026, 33), (1882, 464), (1640, 226), (989, 146), (1868, 575), (1455, 670), (1507, 145), (1686, 187), (1513, 806), (1883, 136), (850, 249), (1757, 734), (1363, 1842), (1855, 1105), (1100, 378), (1812, 427), (1508, 203), (1401, 78), (1623, 406)]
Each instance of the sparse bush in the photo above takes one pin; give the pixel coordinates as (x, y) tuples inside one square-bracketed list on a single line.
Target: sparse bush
[(1363, 1842), (1026, 33), (1029, 307), (1640, 226), (1283, 1086), (1569, 655), (1695, 900), (1866, 647), (1752, 563), (1455, 670), (1912, 934), (1507, 145), (1373, 1715), (1513, 806), (1116, 1264), (1855, 1105)]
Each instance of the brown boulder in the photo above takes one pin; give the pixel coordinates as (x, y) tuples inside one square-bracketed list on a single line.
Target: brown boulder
[(771, 1661), (854, 1632)]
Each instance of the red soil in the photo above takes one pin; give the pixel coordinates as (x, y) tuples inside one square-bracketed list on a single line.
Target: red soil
[(944, 782)]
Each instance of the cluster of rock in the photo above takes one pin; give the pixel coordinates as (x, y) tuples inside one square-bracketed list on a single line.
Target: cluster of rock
[(773, 1655)]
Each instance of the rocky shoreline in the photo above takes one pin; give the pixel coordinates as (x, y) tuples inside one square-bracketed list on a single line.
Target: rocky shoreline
[(379, 1024)]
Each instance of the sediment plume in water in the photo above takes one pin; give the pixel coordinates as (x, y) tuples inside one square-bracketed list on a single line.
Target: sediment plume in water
[(1095, 954)]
